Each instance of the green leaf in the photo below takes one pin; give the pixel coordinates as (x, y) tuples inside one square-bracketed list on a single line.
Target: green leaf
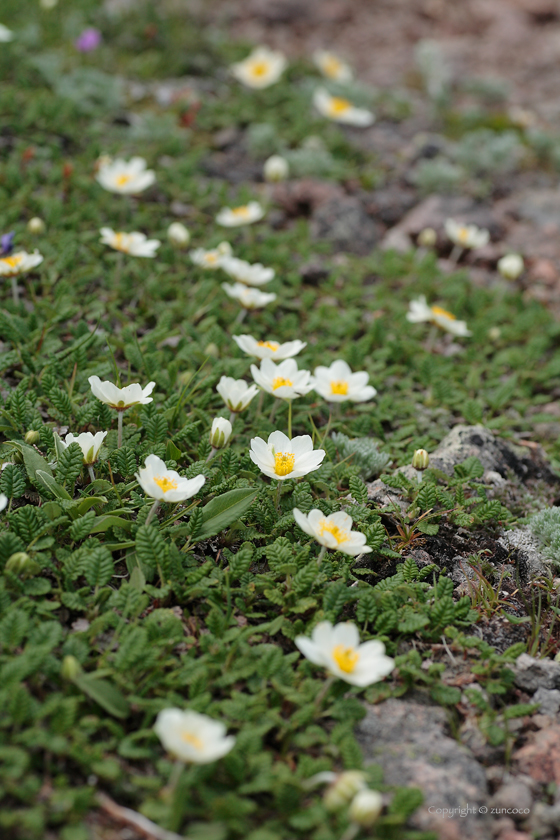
[(446, 695), (105, 522), (219, 513), (52, 485), (33, 461), (104, 693)]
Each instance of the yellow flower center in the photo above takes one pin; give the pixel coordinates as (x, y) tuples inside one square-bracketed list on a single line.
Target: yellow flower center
[(120, 242), (339, 535), (210, 258), (122, 180), (193, 740), (280, 381), (443, 313), (463, 234), (272, 345), (339, 386), (346, 658), (13, 261), (165, 483), (243, 212), (284, 463), (332, 66), (337, 105), (259, 69)]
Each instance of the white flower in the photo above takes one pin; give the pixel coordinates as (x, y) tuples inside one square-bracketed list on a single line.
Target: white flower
[(467, 236), (212, 258), (341, 110), (220, 432), (511, 266), (128, 177), (247, 297), (338, 649), (121, 398), (3, 501), (136, 244), (419, 311), (282, 458), (178, 235), (245, 214), (166, 485), (5, 34), (331, 66), (260, 69), (276, 168), (192, 737), (337, 383), (19, 263), (284, 381), (334, 531), (236, 393), (268, 349), (88, 443), (366, 807), (251, 274)]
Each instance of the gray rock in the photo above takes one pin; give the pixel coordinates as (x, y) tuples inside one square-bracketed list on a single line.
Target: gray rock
[(514, 795), (549, 698), (410, 742), (532, 674), (529, 554), (344, 222)]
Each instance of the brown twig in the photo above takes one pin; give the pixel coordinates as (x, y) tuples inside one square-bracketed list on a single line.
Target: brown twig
[(127, 816)]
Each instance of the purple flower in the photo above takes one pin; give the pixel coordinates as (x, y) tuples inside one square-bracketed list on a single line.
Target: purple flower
[(6, 244), (89, 40)]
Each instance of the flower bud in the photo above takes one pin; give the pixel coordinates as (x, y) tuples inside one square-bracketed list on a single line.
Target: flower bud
[(494, 333), (427, 237), (276, 168), (343, 789), (366, 807), (36, 225), (511, 266), (70, 668), (212, 350), (420, 460), (178, 235), (48, 4), (221, 432), (32, 436), (22, 564)]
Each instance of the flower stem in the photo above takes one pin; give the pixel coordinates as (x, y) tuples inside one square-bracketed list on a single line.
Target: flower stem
[(273, 412), (232, 416), (91, 473), (321, 554), (240, 316), (120, 428), (15, 290), (212, 453), (350, 832), (455, 255), (324, 691), (278, 492), (153, 511), (259, 405), (290, 419)]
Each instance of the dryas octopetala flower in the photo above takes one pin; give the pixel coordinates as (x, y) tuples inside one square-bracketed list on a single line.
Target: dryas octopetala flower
[(19, 263), (245, 214), (284, 380), (178, 235), (419, 312), (212, 258), (466, 236), (88, 443), (236, 393), (366, 807), (337, 383), (420, 460), (127, 177), (192, 737), (282, 458), (5, 34), (331, 66), (276, 168), (220, 432), (3, 501), (136, 244), (334, 531), (121, 398), (341, 110), (338, 649), (344, 787), (260, 69), (269, 349), (511, 266), (248, 298), (166, 485), (250, 274)]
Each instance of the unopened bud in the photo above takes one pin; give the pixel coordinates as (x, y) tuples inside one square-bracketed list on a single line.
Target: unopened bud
[(343, 789), (32, 436), (427, 237), (494, 333), (36, 225), (178, 235), (220, 433), (22, 564), (366, 808), (420, 460), (276, 168), (70, 668), (511, 266), (212, 350)]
